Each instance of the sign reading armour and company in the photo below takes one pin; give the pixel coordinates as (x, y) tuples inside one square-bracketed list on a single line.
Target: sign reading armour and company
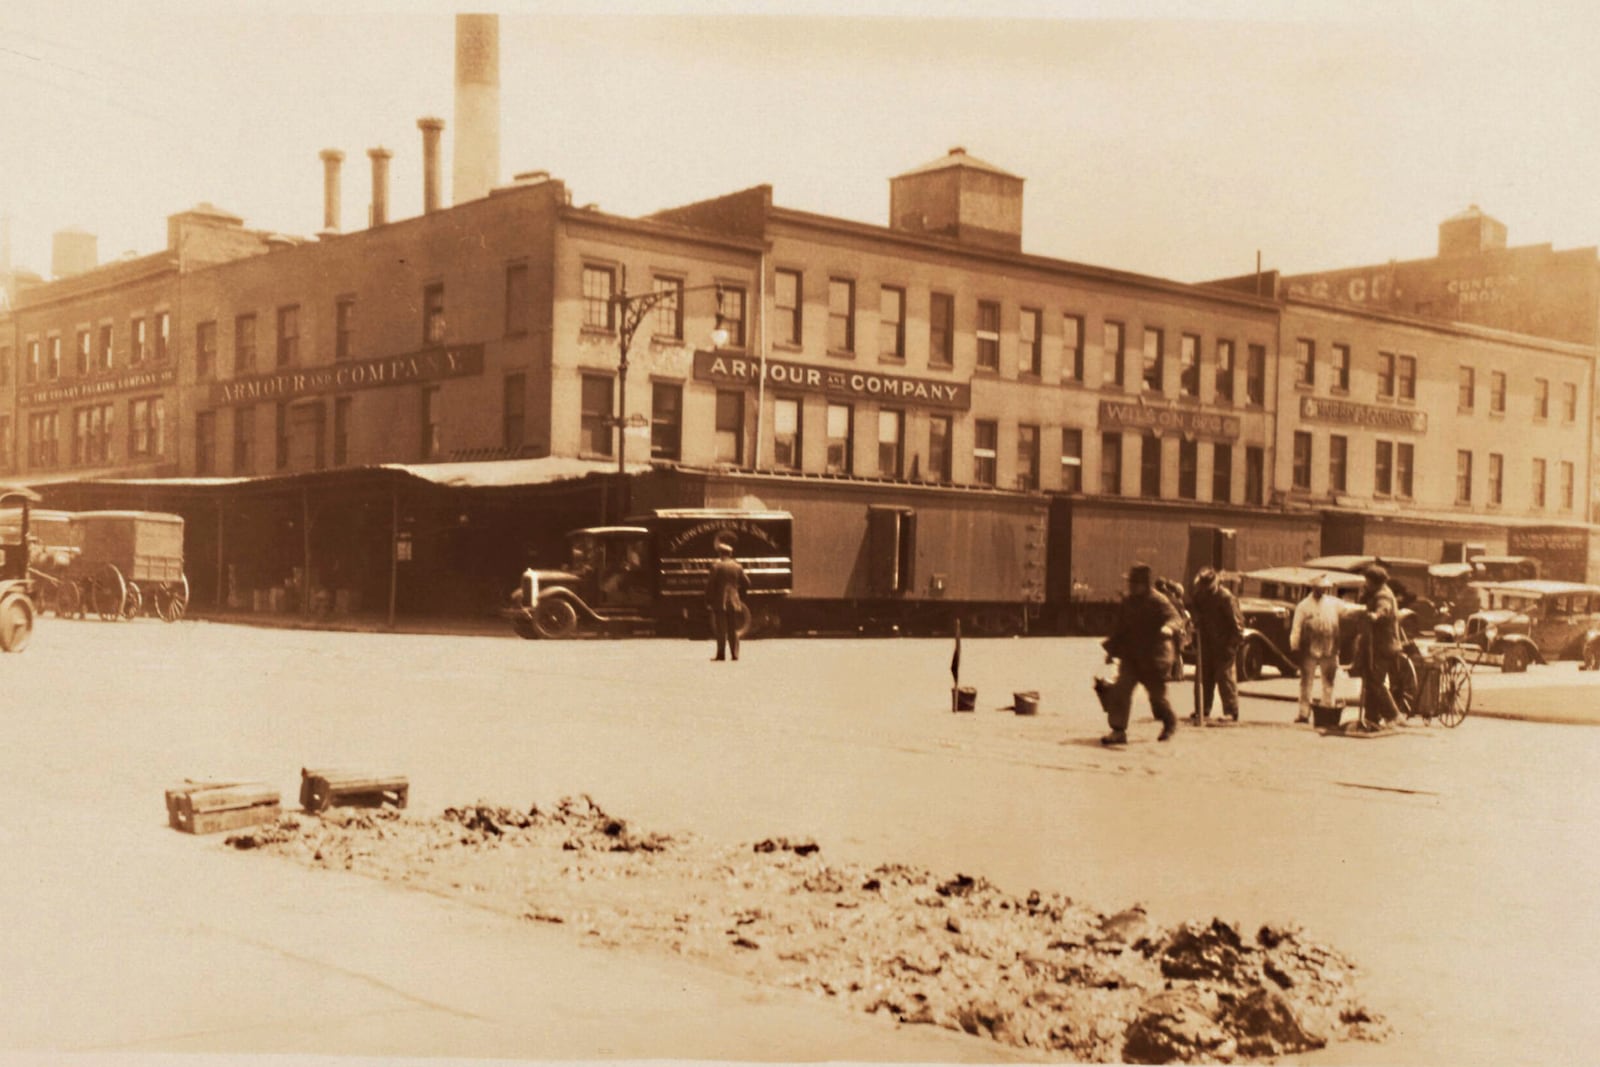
[(89, 388), (1125, 415), (457, 361), (834, 381), (1373, 416)]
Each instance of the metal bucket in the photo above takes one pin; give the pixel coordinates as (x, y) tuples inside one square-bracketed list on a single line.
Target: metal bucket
[(1025, 703), (966, 699), (1326, 716)]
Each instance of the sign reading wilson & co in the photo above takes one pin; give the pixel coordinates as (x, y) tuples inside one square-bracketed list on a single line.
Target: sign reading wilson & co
[(457, 361), (1350, 413), (89, 388), (1125, 415), (835, 381)]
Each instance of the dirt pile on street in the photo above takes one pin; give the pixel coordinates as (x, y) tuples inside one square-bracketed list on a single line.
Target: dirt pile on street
[(955, 951)]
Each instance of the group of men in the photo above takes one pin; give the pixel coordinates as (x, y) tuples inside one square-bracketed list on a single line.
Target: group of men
[(1148, 634)]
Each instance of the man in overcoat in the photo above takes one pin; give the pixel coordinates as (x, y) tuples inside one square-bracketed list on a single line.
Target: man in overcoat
[(1219, 629), (1141, 642), (726, 586)]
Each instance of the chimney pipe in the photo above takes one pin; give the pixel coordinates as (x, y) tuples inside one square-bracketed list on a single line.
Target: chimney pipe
[(430, 128), (331, 159), (476, 167), (380, 185)]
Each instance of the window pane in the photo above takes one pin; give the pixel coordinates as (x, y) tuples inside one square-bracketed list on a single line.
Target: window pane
[(1112, 354), (787, 300), (1072, 460), (988, 335), (892, 323), (941, 329), (730, 426), (666, 420), (840, 419), (841, 315), (599, 285), (786, 433)]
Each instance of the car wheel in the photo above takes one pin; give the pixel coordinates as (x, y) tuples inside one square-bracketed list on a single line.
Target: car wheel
[(1251, 661), (1515, 660), (16, 623), (524, 628), (555, 618)]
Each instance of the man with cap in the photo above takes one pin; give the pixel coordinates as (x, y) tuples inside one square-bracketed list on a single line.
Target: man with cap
[(1142, 642), (1314, 636), (1380, 649), (726, 586), (1219, 628)]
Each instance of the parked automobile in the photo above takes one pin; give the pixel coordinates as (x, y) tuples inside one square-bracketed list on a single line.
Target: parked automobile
[(1534, 622), (18, 606), (1505, 568), (1267, 599), (1409, 578)]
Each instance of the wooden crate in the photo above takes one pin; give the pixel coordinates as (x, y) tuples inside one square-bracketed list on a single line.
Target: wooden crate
[(207, 807), (326, 788)]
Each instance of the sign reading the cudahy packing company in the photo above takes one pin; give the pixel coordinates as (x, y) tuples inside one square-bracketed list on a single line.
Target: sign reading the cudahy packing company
[(89, 388), (1132, 415), (1350, 413), (835, 381), (431, 364)]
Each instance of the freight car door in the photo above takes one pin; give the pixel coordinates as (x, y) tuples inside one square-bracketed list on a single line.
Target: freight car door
[(891, 550)]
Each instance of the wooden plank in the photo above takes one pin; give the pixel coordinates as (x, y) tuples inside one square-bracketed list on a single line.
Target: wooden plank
[(210, 822), (220, 796), (322, 789)]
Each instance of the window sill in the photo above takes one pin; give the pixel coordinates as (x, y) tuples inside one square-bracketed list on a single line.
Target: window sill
[(987, 372), (592, 331), (1305, 387), (787, 346), (947, 367), (892, 361), (1073, 383), (1339, 391), (841, 353), (1113, 387), (666, 339)]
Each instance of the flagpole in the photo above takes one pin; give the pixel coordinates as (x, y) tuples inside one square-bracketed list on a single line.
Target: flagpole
[(955, 671)]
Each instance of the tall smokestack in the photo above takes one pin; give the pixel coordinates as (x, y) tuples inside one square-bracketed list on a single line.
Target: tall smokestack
[(331, 159), (477, 134), (430, 128), (380, 185)]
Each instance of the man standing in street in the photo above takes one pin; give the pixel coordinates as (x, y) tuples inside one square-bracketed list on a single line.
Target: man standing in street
[(1314, 637), (1142, 642), (1381, 650), (1219, 630), (726, 586)]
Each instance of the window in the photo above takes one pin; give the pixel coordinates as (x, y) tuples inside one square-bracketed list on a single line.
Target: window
[(1569, 402), (244, 344), (1383, 469), (433, 314), (1463, 476), (1567, 485), (1541, 398), (1027, 457), (1497, 479), (1538, 483), (1338, 463), (288, 336), (1071, 460), (431, 443), (104, 347), (941, 329), (1386, 375), (83, 353), (841, 315), (344, 327), (1466, 388), (1111, 370), (1222, 472), (1188, 468), (514, 412), (599, 286), (1149, 465), (985, 449), (1300, 476), (6, 355), (91, 437), (147, 427), (244, 440), (1305, 363), (1111, 464), (940, 428), (786, 441), (44, 437), (205, 350), (1072, 348), (988, 334), (30, 369), (666, 420), (138, 341), (1155, 343), (1404, 455), (163, 336), (730, 314), (1408, 377), (516, 299), (891, 435), (841, 439), (786, 299), (1497, 392), (52, 363), (669, 307), (1341, 369), (280, 432), (341, 429), (730, 426), (205, 442), (1224, 372), (891, 323), (1255, 475), (594, 415), (1255, 376), (1030, 345), (6, 459), (1189, 365)]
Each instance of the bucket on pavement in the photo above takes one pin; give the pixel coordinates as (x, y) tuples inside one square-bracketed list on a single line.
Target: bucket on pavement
[(1025, 702), (1326, 716), (966, 699)]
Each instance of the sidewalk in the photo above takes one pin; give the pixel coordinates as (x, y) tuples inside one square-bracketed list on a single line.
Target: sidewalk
[(1556, 693)]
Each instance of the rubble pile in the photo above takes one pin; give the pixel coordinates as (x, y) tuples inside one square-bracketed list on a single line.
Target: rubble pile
[(1035, 971)]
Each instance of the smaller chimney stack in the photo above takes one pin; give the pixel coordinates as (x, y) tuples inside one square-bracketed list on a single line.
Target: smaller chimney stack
[(431, 128), (331, 159), (380, 185)]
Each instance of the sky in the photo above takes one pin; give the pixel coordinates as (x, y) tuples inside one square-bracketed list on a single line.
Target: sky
[(1173, 139)]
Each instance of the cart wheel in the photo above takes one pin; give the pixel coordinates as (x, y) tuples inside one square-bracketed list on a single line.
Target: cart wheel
[(554, 618), (69, 600), (133, 603), (1408, 698), (1455, 691), (16, 622), (110, 592), (173, 600)]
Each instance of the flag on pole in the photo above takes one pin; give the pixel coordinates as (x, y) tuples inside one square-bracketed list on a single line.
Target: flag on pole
[(955, 659)]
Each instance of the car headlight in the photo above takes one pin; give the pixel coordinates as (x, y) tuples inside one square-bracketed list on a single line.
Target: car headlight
[(1491, 631), (1459, 628)]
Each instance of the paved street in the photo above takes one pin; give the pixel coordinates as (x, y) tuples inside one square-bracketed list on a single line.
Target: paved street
[(1457, 866)]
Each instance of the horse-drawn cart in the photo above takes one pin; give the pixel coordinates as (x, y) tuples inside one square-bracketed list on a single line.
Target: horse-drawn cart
[(123, 562)]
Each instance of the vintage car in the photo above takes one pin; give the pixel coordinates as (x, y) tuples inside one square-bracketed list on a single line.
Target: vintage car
[(1267, 599), (1533, 622), (18, 605), (1410, 579), (1505, 568)]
